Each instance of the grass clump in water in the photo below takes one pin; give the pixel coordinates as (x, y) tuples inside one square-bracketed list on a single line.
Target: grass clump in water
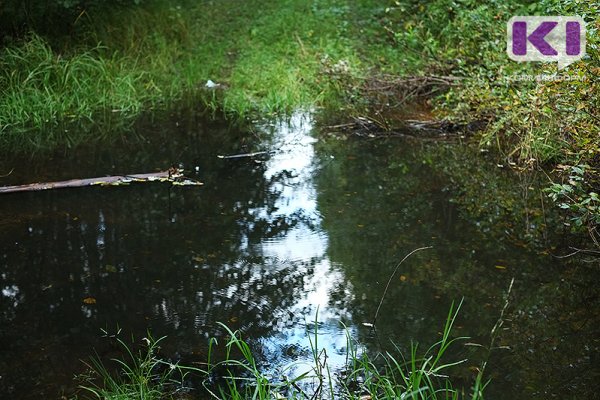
[(239, 376), (41, 87), (142, 375)]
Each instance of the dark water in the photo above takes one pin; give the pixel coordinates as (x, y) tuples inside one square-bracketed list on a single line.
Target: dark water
[(315, 224)]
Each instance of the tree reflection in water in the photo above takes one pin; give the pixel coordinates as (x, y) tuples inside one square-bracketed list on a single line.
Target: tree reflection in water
[(268, 240)]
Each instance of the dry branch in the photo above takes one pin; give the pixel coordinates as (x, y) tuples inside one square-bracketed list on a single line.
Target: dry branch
[(173, 175), (390, 91)]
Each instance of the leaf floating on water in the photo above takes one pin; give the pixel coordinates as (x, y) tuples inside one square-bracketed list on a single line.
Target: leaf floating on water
[(233, 319), (500, 267), (198, 259), (89, 300), (403, 278)]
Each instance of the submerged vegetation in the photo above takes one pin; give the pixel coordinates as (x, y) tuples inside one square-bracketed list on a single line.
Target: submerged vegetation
[(145, 375)]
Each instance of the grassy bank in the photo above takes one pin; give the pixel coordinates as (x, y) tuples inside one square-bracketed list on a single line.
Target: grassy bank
[(236, 374), (267, 57), (275, 56)]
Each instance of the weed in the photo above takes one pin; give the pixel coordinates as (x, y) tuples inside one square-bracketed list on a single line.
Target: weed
[(238, 376), (142, 375)]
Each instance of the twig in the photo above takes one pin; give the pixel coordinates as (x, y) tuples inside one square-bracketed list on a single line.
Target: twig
[(350, 124), (302, 48), (392, 277), (500, 321), (258, 153), (577, 251)]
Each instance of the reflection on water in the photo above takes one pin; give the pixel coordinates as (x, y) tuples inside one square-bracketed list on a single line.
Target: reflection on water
[(269, 240), (305, 244)]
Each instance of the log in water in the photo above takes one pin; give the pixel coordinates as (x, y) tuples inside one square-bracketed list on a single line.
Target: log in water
[(174, 176)]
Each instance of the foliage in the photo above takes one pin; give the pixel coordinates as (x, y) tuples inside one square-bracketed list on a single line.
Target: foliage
[(41, 87), (239, 376), (418, 377), (575, 196), (275, 56), (537, 120), (530, 112), (267, 58)]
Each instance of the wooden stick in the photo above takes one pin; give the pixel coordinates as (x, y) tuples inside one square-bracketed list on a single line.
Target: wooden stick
[(258, 153), (173, 175)]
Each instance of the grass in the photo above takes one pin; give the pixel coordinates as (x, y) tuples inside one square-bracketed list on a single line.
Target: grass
[(239, 376), (267, 54), (142, 375), (42, 88)]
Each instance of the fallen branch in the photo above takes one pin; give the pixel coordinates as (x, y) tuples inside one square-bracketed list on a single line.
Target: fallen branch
[(258, 153), (173, 175), (433, 130)]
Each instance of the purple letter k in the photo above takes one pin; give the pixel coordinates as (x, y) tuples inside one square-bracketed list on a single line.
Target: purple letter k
[(536, 38)]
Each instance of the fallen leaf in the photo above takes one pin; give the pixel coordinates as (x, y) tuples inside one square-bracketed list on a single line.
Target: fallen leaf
[(403, 278), (89, 300), (500, 267)]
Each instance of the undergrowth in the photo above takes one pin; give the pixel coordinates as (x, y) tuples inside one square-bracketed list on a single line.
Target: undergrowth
[(237, 375)]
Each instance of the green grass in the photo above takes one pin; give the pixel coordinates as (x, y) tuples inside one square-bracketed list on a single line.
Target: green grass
[(142, 375), (268, 55), (42, 88), (415, 376)]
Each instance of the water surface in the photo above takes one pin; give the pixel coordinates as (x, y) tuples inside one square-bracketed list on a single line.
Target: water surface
[(317, 223)]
